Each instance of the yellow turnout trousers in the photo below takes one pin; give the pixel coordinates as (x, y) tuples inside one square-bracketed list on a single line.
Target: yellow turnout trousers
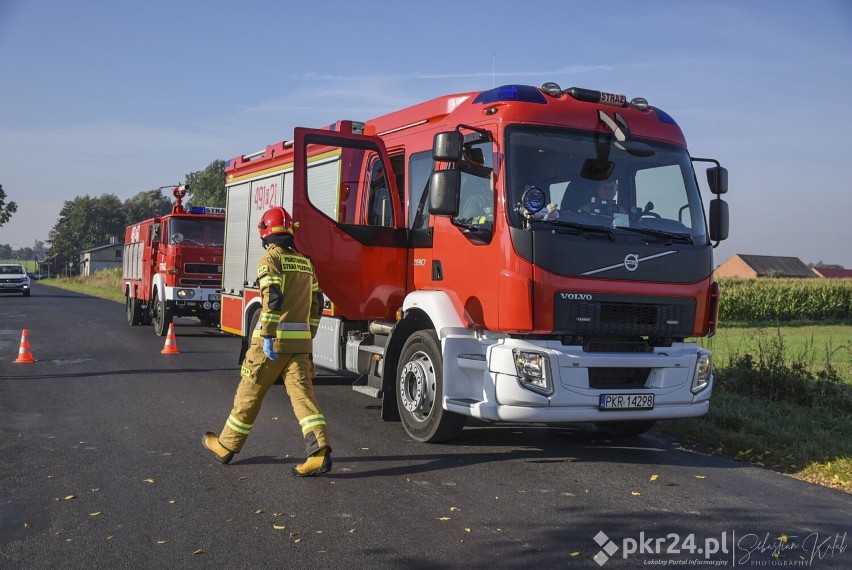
[(258, 375)]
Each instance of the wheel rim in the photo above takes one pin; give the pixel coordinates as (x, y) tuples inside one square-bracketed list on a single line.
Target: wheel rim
[(417, 386)]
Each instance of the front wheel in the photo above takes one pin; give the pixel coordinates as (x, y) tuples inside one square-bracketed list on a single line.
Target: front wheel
[(162, 318), (420, 390)]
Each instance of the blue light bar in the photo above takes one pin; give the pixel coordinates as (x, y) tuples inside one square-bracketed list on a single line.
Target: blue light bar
[(205, 210), (663, 116), (524, 93)]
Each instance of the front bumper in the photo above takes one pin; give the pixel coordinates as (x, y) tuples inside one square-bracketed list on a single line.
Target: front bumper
[(488, 386)]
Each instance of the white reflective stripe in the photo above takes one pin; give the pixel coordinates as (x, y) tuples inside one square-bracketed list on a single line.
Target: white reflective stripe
[(294, 326)]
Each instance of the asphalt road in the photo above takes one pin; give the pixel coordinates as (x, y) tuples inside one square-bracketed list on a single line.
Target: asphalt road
[(102, 467)]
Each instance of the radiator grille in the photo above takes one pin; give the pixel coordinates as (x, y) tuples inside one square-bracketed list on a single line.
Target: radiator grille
[(206, 268), (624, 315), (608, 378)]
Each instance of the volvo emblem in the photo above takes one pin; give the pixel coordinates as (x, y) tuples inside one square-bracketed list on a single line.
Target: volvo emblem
[(631, 262)]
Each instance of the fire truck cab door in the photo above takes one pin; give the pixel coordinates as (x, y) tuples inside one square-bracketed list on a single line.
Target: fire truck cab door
[(351, 222)]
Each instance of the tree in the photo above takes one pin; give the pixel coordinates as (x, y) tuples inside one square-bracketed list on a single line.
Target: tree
[(207, 187), (86, 222), (7, 209), (144, 205)]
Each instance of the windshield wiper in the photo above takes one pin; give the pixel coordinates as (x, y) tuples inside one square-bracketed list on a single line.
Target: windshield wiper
[(683, 238), (578, 226)]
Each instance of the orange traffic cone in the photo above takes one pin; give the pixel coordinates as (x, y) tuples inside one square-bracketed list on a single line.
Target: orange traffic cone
[(24, 354), (171, 343)]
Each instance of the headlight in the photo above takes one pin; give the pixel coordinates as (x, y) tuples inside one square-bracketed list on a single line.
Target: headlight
[(533, 371), (703, 372), (185, 293)]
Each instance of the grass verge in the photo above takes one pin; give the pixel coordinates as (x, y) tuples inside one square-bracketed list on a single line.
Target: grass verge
[(777, 406)]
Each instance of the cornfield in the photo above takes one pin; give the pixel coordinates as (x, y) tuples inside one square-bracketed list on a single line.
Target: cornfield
[(785, 300)]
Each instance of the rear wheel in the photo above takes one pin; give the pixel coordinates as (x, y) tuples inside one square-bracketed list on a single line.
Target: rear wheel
[(134, 311), (420, 391), (625, 428), (162, 318)]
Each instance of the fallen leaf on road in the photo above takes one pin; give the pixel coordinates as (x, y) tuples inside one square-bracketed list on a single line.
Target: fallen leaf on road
[(699, 476), (454, 508), (297, 540), (575, 554), (96, 489), (172, 501), (109, 537), (197, 552), (654, 477), (162, 541), (149, 480), (26, 525), (94, 514), (467, 530), (70, 497), (258, 511), (279, 526), (635, 493), (443, 518)]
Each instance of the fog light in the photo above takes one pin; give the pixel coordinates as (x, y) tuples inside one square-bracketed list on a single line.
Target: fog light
[(216, 306), (703, 372), (185, 293), (533, 371), (207, 305)]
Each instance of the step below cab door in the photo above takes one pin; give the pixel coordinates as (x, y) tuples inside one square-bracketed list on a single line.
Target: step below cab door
[(351, 222)]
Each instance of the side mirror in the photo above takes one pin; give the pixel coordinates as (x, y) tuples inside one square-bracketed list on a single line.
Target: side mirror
[(717, 178), (447, 146), (718, 220), (444, 190)]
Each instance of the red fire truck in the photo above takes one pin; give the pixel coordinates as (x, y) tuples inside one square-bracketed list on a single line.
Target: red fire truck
[(518, 254), (173, 266)]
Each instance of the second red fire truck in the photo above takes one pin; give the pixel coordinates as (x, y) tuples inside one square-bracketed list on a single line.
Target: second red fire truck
[(518, 254), (172, 266)]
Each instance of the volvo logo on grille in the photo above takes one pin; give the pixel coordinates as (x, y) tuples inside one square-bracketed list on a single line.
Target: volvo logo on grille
[(631, 262), (577, 296)]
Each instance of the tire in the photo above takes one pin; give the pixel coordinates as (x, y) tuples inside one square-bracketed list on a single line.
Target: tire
[(134, 311), (245, 341), (625, 428), (162, 318), (420, 389)]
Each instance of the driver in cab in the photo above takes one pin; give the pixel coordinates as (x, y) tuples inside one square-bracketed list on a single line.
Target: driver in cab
[(603, 202)]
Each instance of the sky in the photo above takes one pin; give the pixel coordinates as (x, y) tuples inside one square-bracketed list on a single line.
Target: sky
[(105, 96)]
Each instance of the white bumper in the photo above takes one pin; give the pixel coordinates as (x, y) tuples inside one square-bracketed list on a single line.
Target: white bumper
[(481, 380)]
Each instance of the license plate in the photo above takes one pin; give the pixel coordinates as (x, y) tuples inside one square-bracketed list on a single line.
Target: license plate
[(214, 297), (626, 402)]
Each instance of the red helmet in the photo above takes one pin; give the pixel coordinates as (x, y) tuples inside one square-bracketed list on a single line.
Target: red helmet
[(275, 221)]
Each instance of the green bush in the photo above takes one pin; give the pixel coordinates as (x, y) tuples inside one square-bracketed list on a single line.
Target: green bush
[(770, 375), (785, 300)]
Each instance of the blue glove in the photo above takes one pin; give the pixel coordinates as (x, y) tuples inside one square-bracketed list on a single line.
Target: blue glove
[(268, 350)]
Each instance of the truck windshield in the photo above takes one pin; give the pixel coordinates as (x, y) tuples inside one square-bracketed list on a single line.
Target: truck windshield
[(205, 232), (588, 181)]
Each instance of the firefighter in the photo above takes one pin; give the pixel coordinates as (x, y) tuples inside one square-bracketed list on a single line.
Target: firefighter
[(281, 346)]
